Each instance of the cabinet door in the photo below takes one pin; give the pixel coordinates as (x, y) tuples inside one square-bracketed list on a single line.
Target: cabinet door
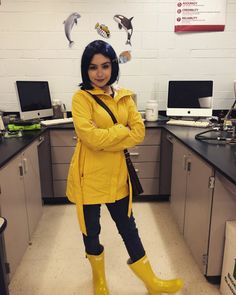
[(63, 138), (179, 182), (147, 169), (150, 186), (32, 186), (166, 162), (62, 148), (45, 165), (62, 154), (142, 153), (223, 209), (198, 209), (12, 203), (152, 137)]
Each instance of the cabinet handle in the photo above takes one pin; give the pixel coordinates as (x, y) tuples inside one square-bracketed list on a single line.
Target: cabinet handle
[(21, 170), (41, 139), (134, 154), (74, 137), (188, 165), (136, 170), (169, 138), (25, 166)]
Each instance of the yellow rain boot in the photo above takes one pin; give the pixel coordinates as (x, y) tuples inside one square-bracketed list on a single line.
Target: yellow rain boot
[(154, 285), (99, 278)]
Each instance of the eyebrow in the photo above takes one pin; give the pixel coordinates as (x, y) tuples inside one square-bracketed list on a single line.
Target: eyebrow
[(108, 62)]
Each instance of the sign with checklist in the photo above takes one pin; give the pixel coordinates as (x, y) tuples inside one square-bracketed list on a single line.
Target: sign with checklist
[(198, 16)]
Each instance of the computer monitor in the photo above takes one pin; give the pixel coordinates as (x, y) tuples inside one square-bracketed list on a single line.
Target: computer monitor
[(34, 99), (190, 98)]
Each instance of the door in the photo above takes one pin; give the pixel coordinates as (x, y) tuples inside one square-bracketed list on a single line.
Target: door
[(32, 186), (12, 202), (223, 209), (179, 183), (198, 209)]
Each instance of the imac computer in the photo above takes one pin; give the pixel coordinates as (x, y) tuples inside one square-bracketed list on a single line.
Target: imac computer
[(190, 98), (34, 100)]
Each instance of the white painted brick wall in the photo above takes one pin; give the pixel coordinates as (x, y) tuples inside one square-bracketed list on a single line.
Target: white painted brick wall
[(33, 47)]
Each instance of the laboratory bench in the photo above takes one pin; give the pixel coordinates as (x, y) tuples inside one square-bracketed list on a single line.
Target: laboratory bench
[(199, 179), (221, 156)]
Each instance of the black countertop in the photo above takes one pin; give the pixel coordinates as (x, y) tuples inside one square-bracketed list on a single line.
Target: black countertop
[(9, 147), (221, 156)]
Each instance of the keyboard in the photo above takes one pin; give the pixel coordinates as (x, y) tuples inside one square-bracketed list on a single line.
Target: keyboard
[(201, 124), (57, 121)]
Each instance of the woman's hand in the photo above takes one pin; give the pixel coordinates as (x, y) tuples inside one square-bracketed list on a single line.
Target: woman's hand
[(95, 125)]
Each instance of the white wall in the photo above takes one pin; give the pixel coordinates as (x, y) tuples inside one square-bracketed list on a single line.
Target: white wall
[(33, 47)]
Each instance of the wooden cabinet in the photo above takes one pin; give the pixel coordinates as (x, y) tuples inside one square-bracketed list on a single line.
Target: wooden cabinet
[(20, 202), (199, 195), (191, 200), (223, 209), (165, 163), (13, 208), (146, 160), (33, 196), (45, 166), (179, 182), (62, 148)]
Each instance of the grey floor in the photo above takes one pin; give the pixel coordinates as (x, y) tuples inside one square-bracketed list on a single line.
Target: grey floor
[(55, 262)]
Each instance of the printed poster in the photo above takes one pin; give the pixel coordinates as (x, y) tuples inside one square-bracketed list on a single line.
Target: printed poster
[(197, 16)]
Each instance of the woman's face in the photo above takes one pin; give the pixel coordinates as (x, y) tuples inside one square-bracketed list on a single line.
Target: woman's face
[(99, 70)]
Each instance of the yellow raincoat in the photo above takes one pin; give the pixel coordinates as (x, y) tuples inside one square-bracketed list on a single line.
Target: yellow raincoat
[(98, 172)]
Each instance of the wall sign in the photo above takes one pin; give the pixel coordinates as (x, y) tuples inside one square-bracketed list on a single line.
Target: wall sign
[(197, 16)]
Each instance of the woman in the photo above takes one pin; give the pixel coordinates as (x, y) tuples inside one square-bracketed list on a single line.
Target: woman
[(98, 173)]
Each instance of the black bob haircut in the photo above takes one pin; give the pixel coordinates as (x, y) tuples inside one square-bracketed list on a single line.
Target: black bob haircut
[(98, 47)]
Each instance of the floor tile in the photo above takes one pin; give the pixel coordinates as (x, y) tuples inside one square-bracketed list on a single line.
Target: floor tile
[(55, 263)]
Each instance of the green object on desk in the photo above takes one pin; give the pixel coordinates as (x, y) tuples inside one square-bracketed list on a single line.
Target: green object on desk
[(13, 127), (13, 134)]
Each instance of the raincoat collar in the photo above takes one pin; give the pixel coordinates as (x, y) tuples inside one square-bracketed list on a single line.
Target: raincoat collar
[(120, 92)]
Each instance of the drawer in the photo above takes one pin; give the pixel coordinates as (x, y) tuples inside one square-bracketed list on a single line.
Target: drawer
[(150, 186), (141, 153), (59, 187), (60, 171), (63, 138), (152, 137), (61, 154), (147, 169)]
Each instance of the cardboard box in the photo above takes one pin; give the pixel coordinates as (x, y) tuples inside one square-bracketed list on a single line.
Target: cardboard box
[(228, 276)]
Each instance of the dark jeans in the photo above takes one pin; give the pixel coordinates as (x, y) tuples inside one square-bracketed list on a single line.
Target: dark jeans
[(126, 227)]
